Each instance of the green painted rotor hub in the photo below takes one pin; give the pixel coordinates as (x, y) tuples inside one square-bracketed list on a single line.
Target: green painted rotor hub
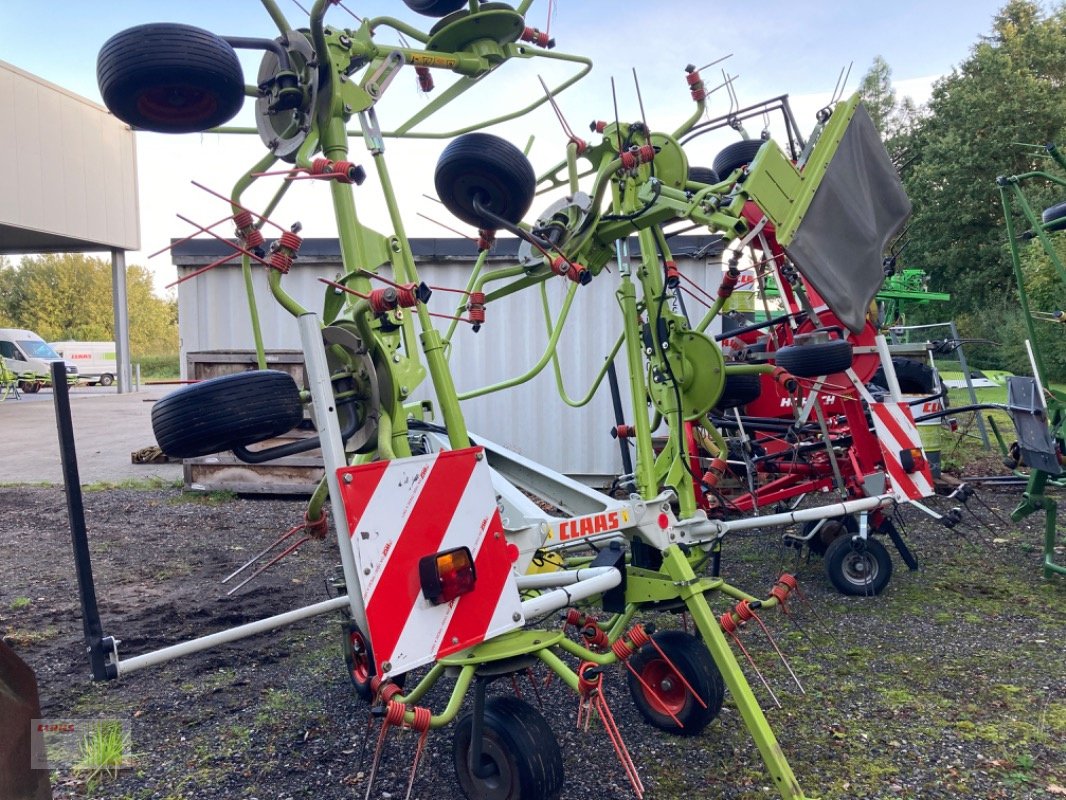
[(671, 163), (698, 367), (495, 22)]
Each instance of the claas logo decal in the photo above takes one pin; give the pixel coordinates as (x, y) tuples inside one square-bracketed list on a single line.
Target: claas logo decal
[(594, 523)]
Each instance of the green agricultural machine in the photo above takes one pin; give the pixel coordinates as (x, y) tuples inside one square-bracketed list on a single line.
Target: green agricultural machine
[(442, 549), (1037, 408)]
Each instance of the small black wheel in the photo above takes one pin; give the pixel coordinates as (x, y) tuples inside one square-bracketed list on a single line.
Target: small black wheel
[(831, 530), (435, 8), (1054, 217), (857, 567), (520, 758), (106, 379), (736, 155), (170, 78), (491, 170), (738, 390), (702, 175), (30, 387), (223, 413), (660, 691), (359, 660), (812, 360)]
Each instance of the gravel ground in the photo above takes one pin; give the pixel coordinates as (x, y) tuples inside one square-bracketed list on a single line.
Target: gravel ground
[(952, 684)]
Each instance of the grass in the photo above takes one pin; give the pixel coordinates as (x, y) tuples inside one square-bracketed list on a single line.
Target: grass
[(159, 367), (215, 498), (20, 603), (151, 482), (103, 752)]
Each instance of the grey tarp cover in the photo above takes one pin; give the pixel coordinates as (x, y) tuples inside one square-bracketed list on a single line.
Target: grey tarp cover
[(859, 206)]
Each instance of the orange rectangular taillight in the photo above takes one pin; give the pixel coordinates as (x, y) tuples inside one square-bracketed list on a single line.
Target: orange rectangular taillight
[(447, 575), (912, 459)]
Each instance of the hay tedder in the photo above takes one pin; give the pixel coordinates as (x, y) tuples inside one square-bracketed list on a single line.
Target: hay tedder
[(453, 548), (1037, 409)]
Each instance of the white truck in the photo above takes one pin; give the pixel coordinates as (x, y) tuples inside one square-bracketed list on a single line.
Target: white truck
[(30, 357), (95, 361)]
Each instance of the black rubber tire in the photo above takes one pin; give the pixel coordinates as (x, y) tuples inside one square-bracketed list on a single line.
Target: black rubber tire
[(357, 660), (813, 360), (170, 78), (519, 744), (736, 155), (830, 531), (435, 8), (915, 377), (739, 390), (223, 413), (486, 166), (29, 387), (858, 568), (703, 175), (106, 379), (1054, 217), (693, 660)]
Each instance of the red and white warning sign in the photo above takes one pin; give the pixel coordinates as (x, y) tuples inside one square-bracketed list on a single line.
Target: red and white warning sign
[(399, 512), (897, 434)]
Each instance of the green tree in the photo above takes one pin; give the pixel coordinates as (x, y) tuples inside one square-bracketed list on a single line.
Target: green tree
[(68, 296), (877, 94), (1008, 91)]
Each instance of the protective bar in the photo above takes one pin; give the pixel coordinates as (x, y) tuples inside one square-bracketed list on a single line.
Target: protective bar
[(561, 598), (229, 635), (333, 456)]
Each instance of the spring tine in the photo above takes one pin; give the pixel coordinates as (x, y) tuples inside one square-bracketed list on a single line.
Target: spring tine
[(756, 668), (778, 651), (270, 563), (377, 758), (533, 683), (800, 628), (620, 749), (276, 542), (814, 611)]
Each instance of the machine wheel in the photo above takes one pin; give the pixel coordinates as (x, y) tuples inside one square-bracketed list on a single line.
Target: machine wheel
[(1054, 217), (29, 387), (736, 155), (665, 693), (106, 379), (831, 530), (358, 658), (518, 749), (170, 78), (703, 175), (435, 8), (739, 390), (812, 360), (915, 377), (857, 567), (491, 169), (223, 413)]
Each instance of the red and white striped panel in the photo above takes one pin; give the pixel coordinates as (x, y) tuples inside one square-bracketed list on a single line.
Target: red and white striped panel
[(896, 431), (399, 511)]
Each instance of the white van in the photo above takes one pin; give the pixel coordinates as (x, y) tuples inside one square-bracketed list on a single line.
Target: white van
[(95, 361), (30, 357)]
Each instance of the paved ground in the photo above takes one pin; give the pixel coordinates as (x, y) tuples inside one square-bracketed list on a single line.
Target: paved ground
[(108, 427)]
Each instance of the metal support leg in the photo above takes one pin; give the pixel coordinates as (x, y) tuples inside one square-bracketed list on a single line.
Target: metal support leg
[(679, 569)]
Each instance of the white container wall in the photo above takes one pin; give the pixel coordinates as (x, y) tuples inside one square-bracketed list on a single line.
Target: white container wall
[(529, 418), (71, 177)]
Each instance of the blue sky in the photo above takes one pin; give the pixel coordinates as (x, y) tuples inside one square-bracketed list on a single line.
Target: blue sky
[(777, 47)]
